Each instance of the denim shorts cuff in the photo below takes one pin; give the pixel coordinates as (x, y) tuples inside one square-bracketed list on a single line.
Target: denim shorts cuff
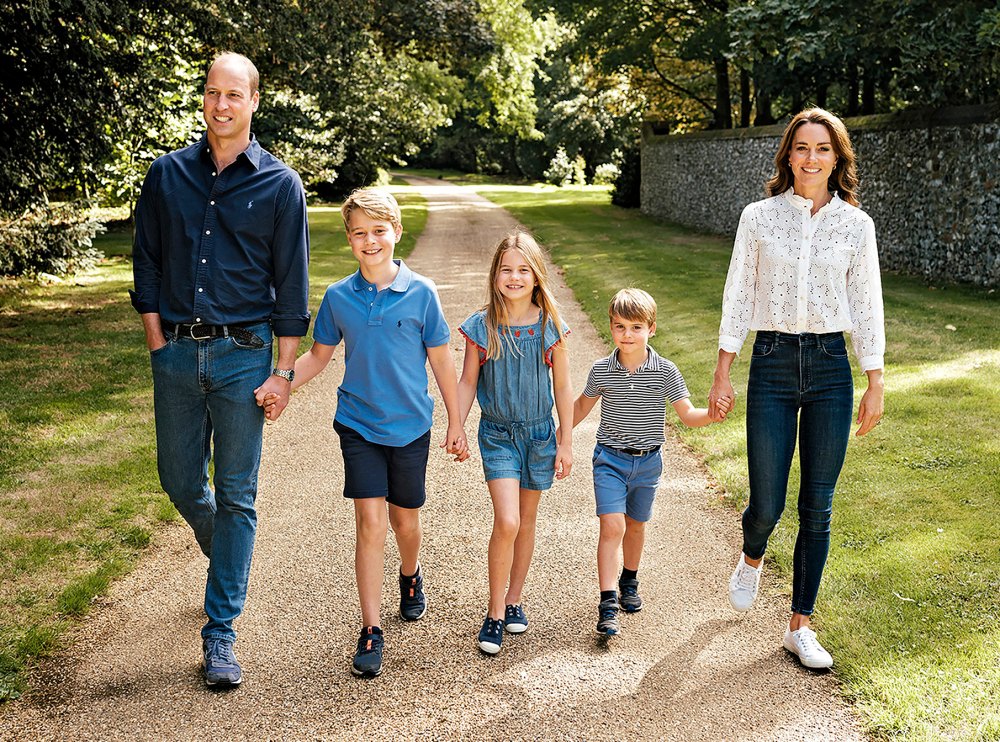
[(503, 474), (540, 486), (645, 519), (609, 509)]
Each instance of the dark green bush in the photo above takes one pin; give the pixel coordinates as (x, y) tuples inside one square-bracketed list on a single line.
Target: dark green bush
[(626, 190), (48, 239)]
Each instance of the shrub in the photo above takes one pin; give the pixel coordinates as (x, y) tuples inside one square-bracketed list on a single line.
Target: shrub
[(561, 169), (606, 174), (626, 190), (48, 239)]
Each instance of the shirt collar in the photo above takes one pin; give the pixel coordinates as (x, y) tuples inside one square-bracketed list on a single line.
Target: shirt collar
[(796, 200), (399, 284), (252, 152), (647, 365)]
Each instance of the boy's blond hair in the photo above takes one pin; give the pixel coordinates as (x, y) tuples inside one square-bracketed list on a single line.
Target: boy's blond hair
[(376, 203), (634, 305)]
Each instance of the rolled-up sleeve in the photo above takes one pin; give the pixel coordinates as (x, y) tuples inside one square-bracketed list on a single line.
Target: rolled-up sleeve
[(290, 251), (147, 250), (864, 298), (739, 296)]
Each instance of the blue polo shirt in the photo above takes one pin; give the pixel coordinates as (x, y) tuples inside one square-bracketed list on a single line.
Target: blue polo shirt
[(386, 335)]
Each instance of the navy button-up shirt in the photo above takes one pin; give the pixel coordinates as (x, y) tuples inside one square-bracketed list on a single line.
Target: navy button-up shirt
[(222, 248)]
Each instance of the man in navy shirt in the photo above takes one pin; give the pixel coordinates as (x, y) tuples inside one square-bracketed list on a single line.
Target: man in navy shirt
[(221, 259)]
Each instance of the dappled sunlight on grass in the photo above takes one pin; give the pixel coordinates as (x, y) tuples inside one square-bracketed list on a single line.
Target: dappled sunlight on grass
[(968, 364)]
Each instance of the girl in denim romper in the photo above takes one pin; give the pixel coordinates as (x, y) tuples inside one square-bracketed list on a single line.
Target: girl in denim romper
[(515, 363)]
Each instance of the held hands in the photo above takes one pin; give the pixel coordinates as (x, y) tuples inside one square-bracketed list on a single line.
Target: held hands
[(721, 400), (564, 460), (721, 408), (455, 443), (272, 402)]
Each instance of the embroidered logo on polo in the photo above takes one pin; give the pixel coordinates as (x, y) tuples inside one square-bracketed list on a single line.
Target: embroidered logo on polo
[(249, 204)]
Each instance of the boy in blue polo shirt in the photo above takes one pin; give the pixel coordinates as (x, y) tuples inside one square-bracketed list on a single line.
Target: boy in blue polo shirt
[(391, 322), (634, 385)]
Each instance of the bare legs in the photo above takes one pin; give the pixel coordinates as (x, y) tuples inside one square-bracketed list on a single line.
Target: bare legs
[(372, 522), (512, 542)]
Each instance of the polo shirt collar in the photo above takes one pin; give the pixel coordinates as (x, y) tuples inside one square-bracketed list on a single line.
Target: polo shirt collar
[(399, 284), (649, 364)]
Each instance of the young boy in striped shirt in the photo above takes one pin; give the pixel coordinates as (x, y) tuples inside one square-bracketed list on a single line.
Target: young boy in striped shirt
[(634, 385)]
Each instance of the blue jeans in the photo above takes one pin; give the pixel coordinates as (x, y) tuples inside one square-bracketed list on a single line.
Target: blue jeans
[(204, 405), (798, 384)]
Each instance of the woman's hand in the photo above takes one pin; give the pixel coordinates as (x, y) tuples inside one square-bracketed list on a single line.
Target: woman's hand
[(872, 403), (721, 388)]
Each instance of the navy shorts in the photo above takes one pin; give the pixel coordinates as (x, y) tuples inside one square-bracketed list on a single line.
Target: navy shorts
[(393, 472), (624, 483), (522, 451)]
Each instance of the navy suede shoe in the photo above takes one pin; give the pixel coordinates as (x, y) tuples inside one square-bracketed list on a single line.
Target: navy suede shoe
[(221, 667)]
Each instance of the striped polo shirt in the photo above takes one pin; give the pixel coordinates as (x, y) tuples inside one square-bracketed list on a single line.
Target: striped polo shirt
[(633, 406)]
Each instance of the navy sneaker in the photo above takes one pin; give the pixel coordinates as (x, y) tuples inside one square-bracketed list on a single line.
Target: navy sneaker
[(221, 667), (628, 591), (491, 635), (514, 619), (607, 618), (412, 601), (368, 659)]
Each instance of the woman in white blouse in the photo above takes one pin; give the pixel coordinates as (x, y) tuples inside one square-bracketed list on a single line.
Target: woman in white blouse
[(804, 270)]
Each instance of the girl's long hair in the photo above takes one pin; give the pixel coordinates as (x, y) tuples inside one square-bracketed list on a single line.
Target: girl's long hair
[(843, 179), (496, 308)]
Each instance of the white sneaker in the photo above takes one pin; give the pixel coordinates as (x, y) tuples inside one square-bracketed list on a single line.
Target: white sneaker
[(743, 585), (810, 652)]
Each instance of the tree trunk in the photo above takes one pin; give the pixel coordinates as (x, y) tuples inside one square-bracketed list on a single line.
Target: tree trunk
[(852, 90), (745, 103), (763, 117), (796, 101), (868, 93), (821, 90), (723, 105)]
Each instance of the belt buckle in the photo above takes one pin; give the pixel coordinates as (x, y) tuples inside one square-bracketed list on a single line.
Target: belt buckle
[(199, 337)]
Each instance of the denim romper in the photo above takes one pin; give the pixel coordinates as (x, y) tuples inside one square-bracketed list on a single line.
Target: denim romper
[(517, 437)]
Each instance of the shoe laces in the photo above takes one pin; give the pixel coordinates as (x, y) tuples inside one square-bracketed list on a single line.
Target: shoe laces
[(746, 577), (609, 612), (629, 591), (807, 641), (220, 651)]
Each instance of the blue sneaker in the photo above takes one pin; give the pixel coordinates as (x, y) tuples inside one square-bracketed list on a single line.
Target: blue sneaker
[(607, 618), (491, 635), (412, 601), (368, 659), (221, 667), (514, 619), (628, 591)]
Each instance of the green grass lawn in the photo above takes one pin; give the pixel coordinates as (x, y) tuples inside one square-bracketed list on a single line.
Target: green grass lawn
[(79, 495), (910, 601)]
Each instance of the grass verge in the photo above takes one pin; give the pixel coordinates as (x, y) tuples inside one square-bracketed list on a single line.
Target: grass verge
[(79, 495), (911, 593)]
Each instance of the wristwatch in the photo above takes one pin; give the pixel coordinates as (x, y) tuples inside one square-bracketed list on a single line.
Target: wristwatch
[(288, 374)]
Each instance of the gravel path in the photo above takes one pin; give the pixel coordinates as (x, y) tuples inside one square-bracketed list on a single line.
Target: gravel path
[(686, 668)]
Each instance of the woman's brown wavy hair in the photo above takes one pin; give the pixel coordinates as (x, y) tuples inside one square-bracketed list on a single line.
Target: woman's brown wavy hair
[(843, 179)]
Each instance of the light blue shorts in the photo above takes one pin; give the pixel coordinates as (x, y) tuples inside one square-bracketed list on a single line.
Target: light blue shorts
[(522, 451), (624, 483)]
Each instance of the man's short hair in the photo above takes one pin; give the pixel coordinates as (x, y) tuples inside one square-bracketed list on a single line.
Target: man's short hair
[(251, 68), (634, 305), (377, 203)]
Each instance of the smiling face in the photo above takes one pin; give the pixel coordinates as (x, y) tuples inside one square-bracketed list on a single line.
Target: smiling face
[(228, 103), (372, 241), (631, 336), (515, 280), (811, 157)]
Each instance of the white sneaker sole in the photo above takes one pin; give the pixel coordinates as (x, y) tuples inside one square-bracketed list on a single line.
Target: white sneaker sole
[(821, 664), (515, 628), (489, 647)]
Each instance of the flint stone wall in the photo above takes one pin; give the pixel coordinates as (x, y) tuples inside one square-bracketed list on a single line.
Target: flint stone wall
[(929, 180)]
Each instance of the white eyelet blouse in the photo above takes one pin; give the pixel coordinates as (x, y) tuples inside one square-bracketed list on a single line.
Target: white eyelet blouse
[(794, 272)]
